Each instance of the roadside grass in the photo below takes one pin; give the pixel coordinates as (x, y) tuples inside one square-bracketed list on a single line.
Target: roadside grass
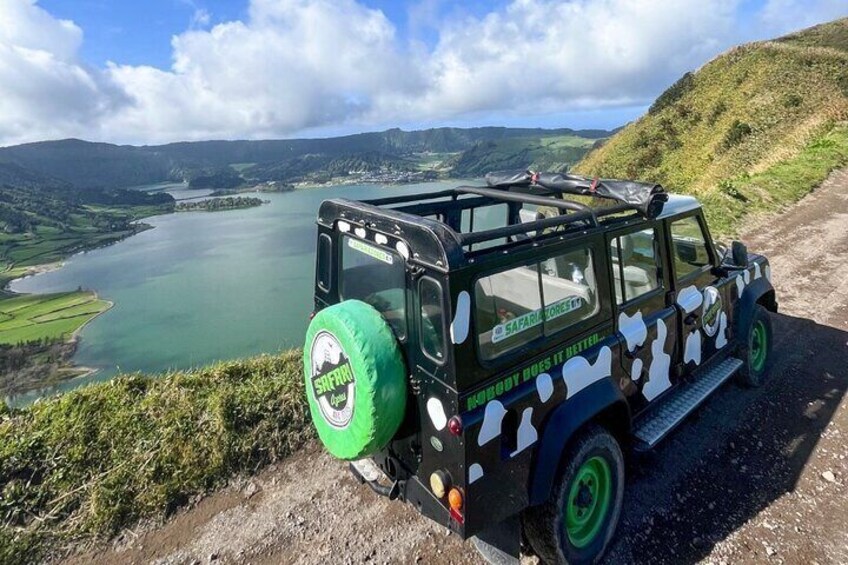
[(86, 464), (780, 185), (46, 316)]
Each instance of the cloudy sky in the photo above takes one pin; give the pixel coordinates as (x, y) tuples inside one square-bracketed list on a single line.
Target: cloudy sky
[(163, 70)]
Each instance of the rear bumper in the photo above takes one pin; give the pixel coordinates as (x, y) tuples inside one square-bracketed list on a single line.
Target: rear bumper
[(416, 494)]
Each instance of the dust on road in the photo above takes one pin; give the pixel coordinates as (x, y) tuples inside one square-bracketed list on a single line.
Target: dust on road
[(755, 476)]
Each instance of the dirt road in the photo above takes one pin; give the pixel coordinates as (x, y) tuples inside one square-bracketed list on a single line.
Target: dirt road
[(756, 476)]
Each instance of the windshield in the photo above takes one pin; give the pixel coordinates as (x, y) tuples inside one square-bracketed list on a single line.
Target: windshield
[(376, 276)]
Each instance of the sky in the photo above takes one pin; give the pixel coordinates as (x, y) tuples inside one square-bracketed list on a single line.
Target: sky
[(158, 71)]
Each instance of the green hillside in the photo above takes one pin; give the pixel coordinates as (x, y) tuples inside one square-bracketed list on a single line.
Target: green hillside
[(753, 129), (552, 153)]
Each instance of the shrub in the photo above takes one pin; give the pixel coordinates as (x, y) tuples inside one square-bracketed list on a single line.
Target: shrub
[(737, 132), (673, 93)]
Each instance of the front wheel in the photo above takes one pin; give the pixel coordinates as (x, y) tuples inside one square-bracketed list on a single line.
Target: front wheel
[(755, 351), (578, 522)]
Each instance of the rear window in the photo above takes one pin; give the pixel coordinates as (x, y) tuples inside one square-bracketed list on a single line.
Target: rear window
[(376, 276), (514, 307)]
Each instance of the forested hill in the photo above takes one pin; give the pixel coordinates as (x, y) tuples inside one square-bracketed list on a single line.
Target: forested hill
[(86, 164)]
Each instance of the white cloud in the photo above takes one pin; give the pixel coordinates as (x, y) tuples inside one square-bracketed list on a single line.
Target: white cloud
[(295, 65)]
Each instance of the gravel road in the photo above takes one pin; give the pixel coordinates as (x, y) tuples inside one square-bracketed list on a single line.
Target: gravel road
[(755, 476)]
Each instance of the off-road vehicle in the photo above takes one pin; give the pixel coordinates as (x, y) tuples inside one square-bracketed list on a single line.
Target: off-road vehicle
[(485, 353)]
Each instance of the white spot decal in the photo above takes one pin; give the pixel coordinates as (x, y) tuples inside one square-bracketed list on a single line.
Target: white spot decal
[(692, 351), (475, 471), (544, 386), (459, 326), (768, 272), (757, 272), (636, 370), (344, 227), (527, 434), (633, 329), (721, 337), (740, 285), (578, 373), (658, 373), (690, 299), (360, 232), (381, 239), (402, 249), (492, 419), (437, 413), (747, 275)]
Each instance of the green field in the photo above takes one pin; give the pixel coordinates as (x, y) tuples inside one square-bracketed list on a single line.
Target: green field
[(47, 316)]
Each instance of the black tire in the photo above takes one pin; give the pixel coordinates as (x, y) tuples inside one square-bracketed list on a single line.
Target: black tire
[(753, 368), (545, 525)]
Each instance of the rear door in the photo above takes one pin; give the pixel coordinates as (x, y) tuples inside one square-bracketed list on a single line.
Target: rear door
[(699, 291), (646, 320)]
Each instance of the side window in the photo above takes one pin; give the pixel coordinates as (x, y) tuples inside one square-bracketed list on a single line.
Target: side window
[(432, 328), (569, 289), (508, 310), (325, 245), (515, 307), (690, 249), (635, 265)]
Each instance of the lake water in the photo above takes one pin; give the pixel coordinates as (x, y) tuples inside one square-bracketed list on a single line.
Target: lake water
[(202, 286)]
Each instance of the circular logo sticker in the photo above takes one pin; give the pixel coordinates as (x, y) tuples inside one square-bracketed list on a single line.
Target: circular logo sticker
[(712, 309), (332, 380)]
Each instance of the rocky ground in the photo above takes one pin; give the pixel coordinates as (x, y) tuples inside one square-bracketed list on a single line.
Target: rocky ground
[(756, 476)]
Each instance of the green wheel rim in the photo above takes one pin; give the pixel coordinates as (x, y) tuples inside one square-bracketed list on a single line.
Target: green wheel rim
[(759, 346), (588, 502)]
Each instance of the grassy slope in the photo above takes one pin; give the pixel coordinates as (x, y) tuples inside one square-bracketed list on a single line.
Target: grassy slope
[(47, 316), (727, 132), (98, 459)]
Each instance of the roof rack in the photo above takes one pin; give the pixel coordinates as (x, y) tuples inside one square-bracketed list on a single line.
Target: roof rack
[(526, 187)]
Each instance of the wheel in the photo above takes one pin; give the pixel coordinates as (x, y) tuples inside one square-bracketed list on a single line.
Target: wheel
[(755, 351), (577, 523)]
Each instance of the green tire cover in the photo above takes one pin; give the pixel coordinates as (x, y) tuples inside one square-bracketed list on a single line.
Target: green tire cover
[(355, 379)]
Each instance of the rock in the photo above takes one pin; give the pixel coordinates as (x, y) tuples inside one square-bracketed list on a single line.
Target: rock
[(828, 476), (213, 556), (250, 489), (770, 550)]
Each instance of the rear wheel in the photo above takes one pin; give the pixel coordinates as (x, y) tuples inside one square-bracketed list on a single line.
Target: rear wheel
[(756, 349), (578, 522)]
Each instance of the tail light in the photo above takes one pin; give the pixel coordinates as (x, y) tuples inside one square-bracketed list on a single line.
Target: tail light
[(455, 426), (456, 502)]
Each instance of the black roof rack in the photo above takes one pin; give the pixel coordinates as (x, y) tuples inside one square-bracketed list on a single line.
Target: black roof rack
[(522, 187)]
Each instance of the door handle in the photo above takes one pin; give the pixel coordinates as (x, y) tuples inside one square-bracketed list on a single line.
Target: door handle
[(691, 319), (633, 354)]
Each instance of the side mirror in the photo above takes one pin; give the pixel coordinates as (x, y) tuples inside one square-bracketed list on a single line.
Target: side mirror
[(739, 254)]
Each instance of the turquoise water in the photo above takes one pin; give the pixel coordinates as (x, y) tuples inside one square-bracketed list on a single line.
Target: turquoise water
[(202, 286)]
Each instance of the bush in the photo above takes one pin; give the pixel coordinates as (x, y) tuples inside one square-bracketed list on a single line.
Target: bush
[(737, 132), (95, 460)]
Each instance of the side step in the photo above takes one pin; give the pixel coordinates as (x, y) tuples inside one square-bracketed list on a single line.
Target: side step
[(673, 409)]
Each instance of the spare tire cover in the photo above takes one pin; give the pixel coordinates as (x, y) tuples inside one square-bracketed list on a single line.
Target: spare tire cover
[(355, 379)]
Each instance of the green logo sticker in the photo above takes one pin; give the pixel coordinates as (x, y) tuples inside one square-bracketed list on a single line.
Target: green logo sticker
[(712, 308), (371, 251), (532, 319), (332, 380)]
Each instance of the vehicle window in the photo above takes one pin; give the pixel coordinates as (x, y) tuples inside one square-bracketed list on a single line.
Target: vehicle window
[(508, 310), (376, 276), (634, 264), (690, 249), (324, 261), (432, 327), (569, 289), (517, 306)]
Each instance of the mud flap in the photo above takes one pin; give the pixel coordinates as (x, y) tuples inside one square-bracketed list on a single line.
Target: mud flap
[(500, 544)]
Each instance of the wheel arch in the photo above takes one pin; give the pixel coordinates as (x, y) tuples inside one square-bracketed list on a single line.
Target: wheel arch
[(759, 292), (601, 403)]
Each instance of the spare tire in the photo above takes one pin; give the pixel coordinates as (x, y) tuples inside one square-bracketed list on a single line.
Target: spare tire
[(355, 379)]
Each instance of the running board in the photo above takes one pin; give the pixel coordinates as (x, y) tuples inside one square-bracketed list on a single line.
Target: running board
[(673, 409)]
